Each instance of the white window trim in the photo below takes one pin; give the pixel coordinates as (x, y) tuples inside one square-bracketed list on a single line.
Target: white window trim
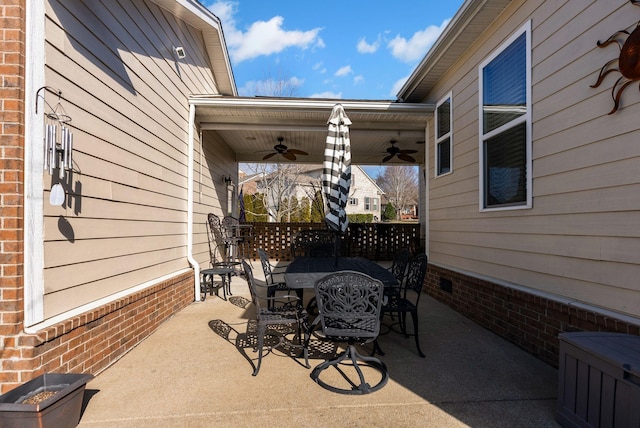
[(526, 118), (449, 135)]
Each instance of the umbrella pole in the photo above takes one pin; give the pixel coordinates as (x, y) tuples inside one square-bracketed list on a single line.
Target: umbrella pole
[(337, 248)]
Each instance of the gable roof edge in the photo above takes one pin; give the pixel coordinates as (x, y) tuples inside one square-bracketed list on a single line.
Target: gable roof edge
[(471, 20)]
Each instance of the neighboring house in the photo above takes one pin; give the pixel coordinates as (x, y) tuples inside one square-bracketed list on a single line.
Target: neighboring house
[(364, 195), (87, 278), (533, 188)]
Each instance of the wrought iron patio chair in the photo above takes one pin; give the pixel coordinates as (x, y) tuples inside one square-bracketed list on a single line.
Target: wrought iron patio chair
[(399, 266), (218, 260), (314, 243), (349, 305), (408, 299), (277, 319), (237, 237), (218, 245), (398, 269), (273, 286)]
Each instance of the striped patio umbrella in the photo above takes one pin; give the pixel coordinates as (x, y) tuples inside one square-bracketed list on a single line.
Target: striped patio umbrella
[(336, 171)]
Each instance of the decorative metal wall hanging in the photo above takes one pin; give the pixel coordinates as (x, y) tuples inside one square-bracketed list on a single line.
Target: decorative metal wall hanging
[(628, 62), (58, 144)]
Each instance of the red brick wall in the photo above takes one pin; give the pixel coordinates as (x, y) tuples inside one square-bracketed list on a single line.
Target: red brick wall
[(12, 39), (92, 341), (529, 321)]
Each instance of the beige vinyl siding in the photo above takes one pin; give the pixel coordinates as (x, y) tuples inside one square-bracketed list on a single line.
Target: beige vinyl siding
[(581, 239), (125, 222), (214, 160)]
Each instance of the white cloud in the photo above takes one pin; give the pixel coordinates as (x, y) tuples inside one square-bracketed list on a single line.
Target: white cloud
[(364, 47), (417, 46), (343, 71), (262, 37), (319, 67), (397, 86), (358, 79), (327, 94), (225, 10)]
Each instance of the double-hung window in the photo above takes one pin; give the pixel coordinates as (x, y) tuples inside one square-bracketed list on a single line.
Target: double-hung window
[(371, 204), (505, 125), (444, 140)]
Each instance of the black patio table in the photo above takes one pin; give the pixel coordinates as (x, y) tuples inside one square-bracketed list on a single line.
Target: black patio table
[(303, 272)]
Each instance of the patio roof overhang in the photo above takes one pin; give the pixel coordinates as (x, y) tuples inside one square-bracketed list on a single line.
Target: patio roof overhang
[(251, 126)]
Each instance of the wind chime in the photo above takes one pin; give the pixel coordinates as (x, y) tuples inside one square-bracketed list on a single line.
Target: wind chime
[(58, 146)]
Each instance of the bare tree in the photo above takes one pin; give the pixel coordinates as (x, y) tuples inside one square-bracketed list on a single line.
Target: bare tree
[(279, 86), (279, 183), (400, 184)]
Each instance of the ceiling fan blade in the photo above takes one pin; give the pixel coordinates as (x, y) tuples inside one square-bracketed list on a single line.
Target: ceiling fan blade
[(297, 152), (268, 156), (408, 151), (289, 155), (388, 158), (405, 157)]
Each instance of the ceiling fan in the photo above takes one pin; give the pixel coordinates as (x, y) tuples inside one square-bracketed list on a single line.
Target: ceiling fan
[(402, 154), (281, 149)]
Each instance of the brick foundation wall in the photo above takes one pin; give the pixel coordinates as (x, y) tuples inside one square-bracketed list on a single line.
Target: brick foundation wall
[(531, 322), (92, 341)]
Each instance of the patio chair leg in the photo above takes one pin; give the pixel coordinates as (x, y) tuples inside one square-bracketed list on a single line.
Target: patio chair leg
[(376, 349), (414, 316), (261, 332), (229, 284), (403, 323)]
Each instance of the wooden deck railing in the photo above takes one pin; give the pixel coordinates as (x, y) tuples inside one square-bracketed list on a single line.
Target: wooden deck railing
[(375, 241)]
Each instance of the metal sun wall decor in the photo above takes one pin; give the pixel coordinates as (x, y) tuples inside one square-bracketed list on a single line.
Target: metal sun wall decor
[(628, 62), (58, 144)]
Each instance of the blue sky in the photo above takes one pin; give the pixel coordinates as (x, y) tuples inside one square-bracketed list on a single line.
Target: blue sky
[(350, 49), (335, 49)]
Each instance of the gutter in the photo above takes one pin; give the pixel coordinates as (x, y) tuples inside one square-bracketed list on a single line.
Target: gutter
[(190, 163)]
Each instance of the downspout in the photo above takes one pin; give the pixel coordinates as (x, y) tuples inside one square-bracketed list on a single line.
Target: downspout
[(190, 162), (426, 214)]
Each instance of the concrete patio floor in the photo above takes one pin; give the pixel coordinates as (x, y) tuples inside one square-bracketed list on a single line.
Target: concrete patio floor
[(190, 373)]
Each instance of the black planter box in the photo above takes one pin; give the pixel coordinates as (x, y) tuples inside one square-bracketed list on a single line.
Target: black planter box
[(62, 410)]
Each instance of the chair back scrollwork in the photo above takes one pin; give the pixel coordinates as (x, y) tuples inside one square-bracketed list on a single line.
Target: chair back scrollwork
[(349, 305)]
